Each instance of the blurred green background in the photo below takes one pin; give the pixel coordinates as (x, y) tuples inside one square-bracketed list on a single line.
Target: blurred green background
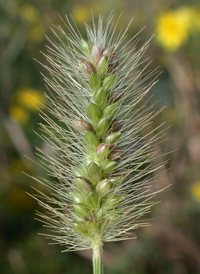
[(171, 245)]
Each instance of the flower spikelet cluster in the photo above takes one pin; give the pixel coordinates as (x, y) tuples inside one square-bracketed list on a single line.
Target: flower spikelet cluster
[(103, 146)]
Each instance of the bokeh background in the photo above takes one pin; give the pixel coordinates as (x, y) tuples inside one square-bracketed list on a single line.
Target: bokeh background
[(171, 245)]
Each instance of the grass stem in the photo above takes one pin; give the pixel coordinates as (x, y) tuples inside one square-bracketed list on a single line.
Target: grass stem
[(97, 259)]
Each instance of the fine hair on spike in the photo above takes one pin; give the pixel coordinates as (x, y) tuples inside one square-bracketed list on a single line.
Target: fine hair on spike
[(104, 156)]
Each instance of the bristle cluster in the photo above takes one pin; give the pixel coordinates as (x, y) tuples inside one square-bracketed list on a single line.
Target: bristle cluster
[(103, 147)]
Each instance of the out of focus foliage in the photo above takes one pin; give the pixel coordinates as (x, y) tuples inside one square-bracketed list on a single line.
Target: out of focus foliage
[(172, 244)]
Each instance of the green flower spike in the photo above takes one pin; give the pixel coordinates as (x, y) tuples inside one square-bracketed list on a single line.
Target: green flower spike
[(102, 158)]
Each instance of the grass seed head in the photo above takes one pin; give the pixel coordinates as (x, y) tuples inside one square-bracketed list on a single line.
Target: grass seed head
[(104, 149)]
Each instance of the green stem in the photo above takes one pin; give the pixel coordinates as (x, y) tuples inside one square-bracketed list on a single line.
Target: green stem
[(98, 259)]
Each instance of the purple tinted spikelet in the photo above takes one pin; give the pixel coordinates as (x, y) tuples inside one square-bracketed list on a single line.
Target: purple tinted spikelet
[(104, 149)]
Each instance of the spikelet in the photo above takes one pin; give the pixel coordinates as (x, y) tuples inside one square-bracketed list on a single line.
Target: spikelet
[(99, 128)]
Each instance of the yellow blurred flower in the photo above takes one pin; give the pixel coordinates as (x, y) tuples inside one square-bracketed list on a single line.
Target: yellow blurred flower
[(81, 13), (19, 114), (30, 13), (37, 33), (172, 28), (196, 191), (30, 98)]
